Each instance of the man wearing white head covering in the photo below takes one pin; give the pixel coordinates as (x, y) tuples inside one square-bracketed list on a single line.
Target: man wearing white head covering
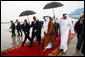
[(49, 40), (65, 27)]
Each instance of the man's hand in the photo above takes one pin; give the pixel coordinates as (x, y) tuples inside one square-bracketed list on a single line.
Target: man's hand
[(48, 33), (35, 30), (28, 22), (72, 35), (53, 17), (25, 32)]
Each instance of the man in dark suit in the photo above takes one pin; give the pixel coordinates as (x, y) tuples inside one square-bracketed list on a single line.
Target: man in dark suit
[(36, 30), (26, 30), (39, 29), (18, 28), (82, 35), (56, 28), (12, 28), (79, 28)]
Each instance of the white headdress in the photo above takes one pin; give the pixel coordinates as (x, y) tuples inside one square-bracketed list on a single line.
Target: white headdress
[(46, 23)]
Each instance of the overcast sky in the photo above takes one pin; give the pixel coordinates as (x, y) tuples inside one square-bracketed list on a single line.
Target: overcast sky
[(10, 10)]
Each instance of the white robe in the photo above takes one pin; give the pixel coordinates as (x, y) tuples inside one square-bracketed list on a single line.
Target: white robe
[(65, 27), (45, 30)]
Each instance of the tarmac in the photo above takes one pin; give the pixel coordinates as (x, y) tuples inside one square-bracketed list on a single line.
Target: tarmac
[(72, 49)]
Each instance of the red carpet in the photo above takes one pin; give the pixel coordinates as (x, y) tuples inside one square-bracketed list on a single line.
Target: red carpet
[(36, 50)]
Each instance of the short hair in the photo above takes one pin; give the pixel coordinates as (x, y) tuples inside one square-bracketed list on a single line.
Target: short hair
[(81, 17), (25, 19), (64, 14), (34, 17), (11, 21), (16, 19)]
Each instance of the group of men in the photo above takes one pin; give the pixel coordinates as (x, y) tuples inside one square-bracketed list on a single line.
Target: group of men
[(25, 27), (17, 27), (36, 31), (64, 26)]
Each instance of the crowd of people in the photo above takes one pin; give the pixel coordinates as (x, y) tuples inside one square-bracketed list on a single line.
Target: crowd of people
[(52, 26)]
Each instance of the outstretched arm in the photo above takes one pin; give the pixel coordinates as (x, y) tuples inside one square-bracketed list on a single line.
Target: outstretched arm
[(56, 20), (71, 28)]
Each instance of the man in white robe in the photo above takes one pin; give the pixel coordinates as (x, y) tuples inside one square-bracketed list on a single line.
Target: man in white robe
[(65, 27)]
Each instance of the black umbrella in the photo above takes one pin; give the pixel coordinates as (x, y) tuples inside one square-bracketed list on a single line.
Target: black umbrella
[(27, 12), (53, 5)]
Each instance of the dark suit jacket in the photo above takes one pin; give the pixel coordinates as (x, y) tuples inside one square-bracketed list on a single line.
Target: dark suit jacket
[(12, 26), (56, 27), (35, 26), (78, 28), (18, 26), (26, 28)]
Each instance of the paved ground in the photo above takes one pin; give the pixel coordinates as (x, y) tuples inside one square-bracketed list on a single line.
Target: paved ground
[(72, 49)]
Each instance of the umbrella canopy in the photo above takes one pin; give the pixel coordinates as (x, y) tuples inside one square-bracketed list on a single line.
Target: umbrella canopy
[(77, 13), (53, 5), (27, 12)]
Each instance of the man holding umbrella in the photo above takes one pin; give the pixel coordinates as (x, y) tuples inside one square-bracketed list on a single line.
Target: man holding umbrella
[(65, 27), (35, 25)]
